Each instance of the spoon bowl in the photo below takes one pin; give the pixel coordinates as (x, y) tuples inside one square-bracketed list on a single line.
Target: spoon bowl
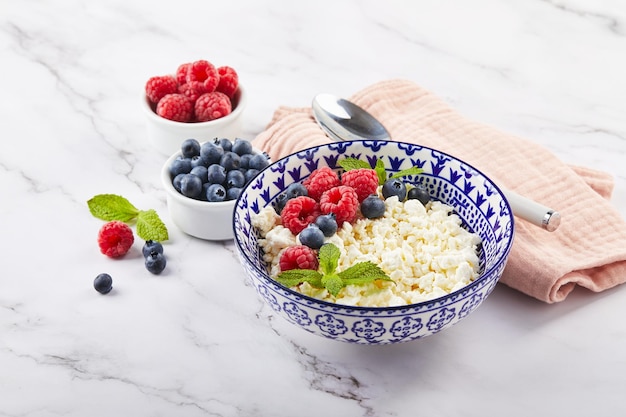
[(343, 120)]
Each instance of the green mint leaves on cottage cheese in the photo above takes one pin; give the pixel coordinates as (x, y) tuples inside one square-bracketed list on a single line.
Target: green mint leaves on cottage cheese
[(358, 274)]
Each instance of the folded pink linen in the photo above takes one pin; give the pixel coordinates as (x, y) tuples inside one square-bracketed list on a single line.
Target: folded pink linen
[(589, 247)]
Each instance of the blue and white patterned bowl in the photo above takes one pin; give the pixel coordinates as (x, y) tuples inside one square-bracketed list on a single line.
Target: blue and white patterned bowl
[(475, 198)]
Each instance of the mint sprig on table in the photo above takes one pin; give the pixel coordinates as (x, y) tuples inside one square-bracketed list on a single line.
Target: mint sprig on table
[(353, 163), (358, 274), (111, 207)]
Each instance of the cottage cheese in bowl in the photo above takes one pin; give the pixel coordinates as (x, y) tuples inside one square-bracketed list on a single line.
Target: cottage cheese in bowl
[(425, 250)]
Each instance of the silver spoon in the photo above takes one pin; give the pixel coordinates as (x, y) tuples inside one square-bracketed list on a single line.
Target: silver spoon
[(344, 120)]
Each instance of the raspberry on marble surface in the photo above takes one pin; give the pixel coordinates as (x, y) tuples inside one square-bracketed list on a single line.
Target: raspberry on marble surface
[(115, 239)]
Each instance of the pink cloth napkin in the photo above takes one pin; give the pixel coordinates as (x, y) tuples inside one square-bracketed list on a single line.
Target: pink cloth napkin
[(589, 247)]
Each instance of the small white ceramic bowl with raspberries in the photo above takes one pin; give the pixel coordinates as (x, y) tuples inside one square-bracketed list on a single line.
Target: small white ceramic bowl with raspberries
[(203, 180), (199, 101)]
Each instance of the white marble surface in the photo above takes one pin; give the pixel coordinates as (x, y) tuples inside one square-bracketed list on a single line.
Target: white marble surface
[(197, 341)]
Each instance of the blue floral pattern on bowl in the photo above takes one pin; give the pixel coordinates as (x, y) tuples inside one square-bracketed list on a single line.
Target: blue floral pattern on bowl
[(475, 198)]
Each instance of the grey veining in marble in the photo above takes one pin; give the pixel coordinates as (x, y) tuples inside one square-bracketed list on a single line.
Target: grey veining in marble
[(196, 341)]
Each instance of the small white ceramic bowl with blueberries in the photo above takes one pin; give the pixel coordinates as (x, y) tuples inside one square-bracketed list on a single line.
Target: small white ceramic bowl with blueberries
[(202, 181), (479, 203)]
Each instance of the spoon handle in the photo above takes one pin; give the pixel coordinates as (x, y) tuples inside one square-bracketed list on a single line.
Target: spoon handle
[(532, 211)]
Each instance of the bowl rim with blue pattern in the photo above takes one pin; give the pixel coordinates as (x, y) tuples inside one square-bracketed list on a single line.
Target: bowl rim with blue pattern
[(478, 201)]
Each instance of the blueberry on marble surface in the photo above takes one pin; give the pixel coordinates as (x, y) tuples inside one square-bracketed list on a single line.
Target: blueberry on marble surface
[(151, 246), (155, 262), (103, 283)]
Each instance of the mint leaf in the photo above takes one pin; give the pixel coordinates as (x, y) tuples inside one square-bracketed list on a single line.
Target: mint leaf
[(406, 172), (363, 273), (333, 283), (150, 226), (353, 163), (380, 171), (329, 258), (294, 277), (360, 273), (111, 207)]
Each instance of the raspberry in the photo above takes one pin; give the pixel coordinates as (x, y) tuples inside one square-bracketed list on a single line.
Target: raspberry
[(192, 90), (181, 73), (159, 86), (211, 106), (363, 180), (320, 180), (175, 107), (205, 72), (298, 213), (115, 239), (229, 81), (342, 201), (298, 257)]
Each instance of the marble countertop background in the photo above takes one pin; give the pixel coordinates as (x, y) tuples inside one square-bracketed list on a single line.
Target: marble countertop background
[(196, 341)]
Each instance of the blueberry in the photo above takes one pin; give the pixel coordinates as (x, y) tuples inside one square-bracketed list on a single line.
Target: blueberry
[(233, 193), (230, 160), (250, 174), (177, 180), (296, 190), (155, 262), (191, 186), (281, 200), (394, 187), (224, 143), (197, 161), (244, 161), (293, 190), (151, 246), (241, 146), (372, 207), (216, 174), (190, 148), (235, 178), (327, 224), (200, 171), (259, 161), (180, 165), (419, 192), (215, 193), (103, 283), (312, 236), (211, 153)]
